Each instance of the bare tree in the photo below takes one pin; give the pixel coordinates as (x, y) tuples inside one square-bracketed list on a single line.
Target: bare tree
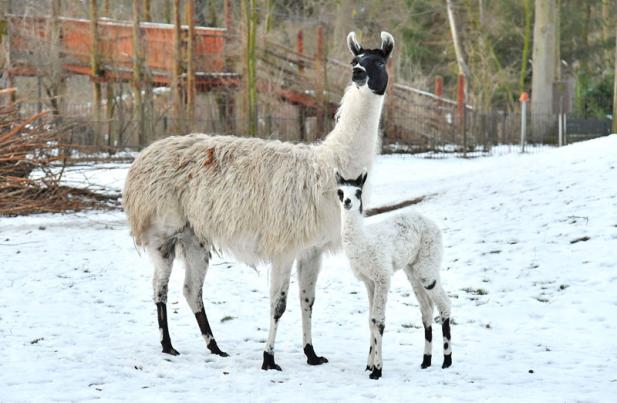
[(458, 48), (544, 63), (250, 12), (138, 105), (96, 71), (615, 89)]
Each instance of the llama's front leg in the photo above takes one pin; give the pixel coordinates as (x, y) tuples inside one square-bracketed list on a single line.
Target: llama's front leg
[(378, 323), (370, 291), (279, 286), (308, 270), (162, 257)]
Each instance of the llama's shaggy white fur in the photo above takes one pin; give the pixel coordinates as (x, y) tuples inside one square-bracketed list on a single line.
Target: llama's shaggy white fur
[(407, 241), (261, 201)]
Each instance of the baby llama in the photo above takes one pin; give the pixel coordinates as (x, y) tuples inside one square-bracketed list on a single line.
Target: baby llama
[(261, 201), (407, 241)]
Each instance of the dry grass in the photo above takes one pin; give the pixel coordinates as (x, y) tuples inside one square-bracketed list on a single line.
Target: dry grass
[(36, 144)]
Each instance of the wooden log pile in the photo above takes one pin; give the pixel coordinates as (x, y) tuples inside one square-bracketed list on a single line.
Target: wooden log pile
[(32, 162)]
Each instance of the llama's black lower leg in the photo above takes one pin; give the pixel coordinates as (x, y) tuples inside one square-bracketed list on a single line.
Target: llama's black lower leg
[(447, 344), (161, 310), (369, 367), (428, 339), (206, 332)]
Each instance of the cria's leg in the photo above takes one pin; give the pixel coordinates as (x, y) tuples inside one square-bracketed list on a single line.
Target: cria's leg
[(279, 286), (378, 322), (308, 269), (426, 309), (162, 256), (439, 296), (370, 291), (197, 258)]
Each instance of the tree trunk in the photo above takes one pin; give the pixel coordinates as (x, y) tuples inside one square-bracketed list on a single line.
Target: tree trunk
[(138, 105), (526, 42), (95, 73), (458, 48), (544, 62), (190, 64), (177, 76), (615, 89), (57, 78), (251, 72), (147, 11)]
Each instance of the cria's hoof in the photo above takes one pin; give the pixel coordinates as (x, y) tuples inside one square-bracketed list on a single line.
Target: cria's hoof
[(426, 361), (376, 374), (170, 350), (447, 361), (214, 349), (311, 357), (269, 362)]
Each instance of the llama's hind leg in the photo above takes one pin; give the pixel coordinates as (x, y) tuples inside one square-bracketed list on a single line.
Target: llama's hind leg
[(426, 310), (197, 258), (279, 286), (440, 298), (162, 256), (308, 269)]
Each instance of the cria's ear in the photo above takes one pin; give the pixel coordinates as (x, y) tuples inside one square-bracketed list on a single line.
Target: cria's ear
[(352, 43), (360, 180), (339, 178), (387, 44)]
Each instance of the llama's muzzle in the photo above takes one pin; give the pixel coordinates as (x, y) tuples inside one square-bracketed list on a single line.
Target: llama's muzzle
[(359, 75)]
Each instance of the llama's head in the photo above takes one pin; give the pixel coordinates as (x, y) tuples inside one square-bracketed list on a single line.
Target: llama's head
[(349, 191), (369, 65)]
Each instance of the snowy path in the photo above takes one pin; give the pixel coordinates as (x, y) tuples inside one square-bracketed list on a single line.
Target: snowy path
[(529, 294)]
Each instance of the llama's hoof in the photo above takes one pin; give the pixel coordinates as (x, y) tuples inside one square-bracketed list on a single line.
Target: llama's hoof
[(312, 358), (269, 362), (369, 368), (170, 350), (426, 361), (376, 374), (214, 349), (447, 361)]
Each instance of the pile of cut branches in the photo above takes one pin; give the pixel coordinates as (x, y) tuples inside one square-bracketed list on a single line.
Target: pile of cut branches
[(32, 161)]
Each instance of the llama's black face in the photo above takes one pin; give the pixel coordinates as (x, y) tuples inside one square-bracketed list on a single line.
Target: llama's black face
[(349, 191), (369, 65)]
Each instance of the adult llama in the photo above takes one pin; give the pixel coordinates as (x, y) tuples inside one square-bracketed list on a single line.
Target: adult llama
[(260, 201)]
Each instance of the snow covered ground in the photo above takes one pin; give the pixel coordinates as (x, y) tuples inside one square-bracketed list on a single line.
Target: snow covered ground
[(530, 266)]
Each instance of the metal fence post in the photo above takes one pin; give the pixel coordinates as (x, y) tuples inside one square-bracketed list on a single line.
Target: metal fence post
[(524, 98)]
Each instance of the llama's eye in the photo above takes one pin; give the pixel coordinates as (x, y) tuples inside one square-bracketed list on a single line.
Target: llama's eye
[(340, 194), (354, 62), (380, 63), (358, 194)]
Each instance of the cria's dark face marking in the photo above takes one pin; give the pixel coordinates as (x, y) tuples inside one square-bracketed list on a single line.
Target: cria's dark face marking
[(369, 65), (350, 191)]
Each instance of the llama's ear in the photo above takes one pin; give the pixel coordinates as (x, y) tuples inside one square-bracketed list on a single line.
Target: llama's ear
[(339, 178), (387, 44), (352, 43)]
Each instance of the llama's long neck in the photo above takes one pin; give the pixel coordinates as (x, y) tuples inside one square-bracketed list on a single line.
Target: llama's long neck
[(352, 230), (353, 141)]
